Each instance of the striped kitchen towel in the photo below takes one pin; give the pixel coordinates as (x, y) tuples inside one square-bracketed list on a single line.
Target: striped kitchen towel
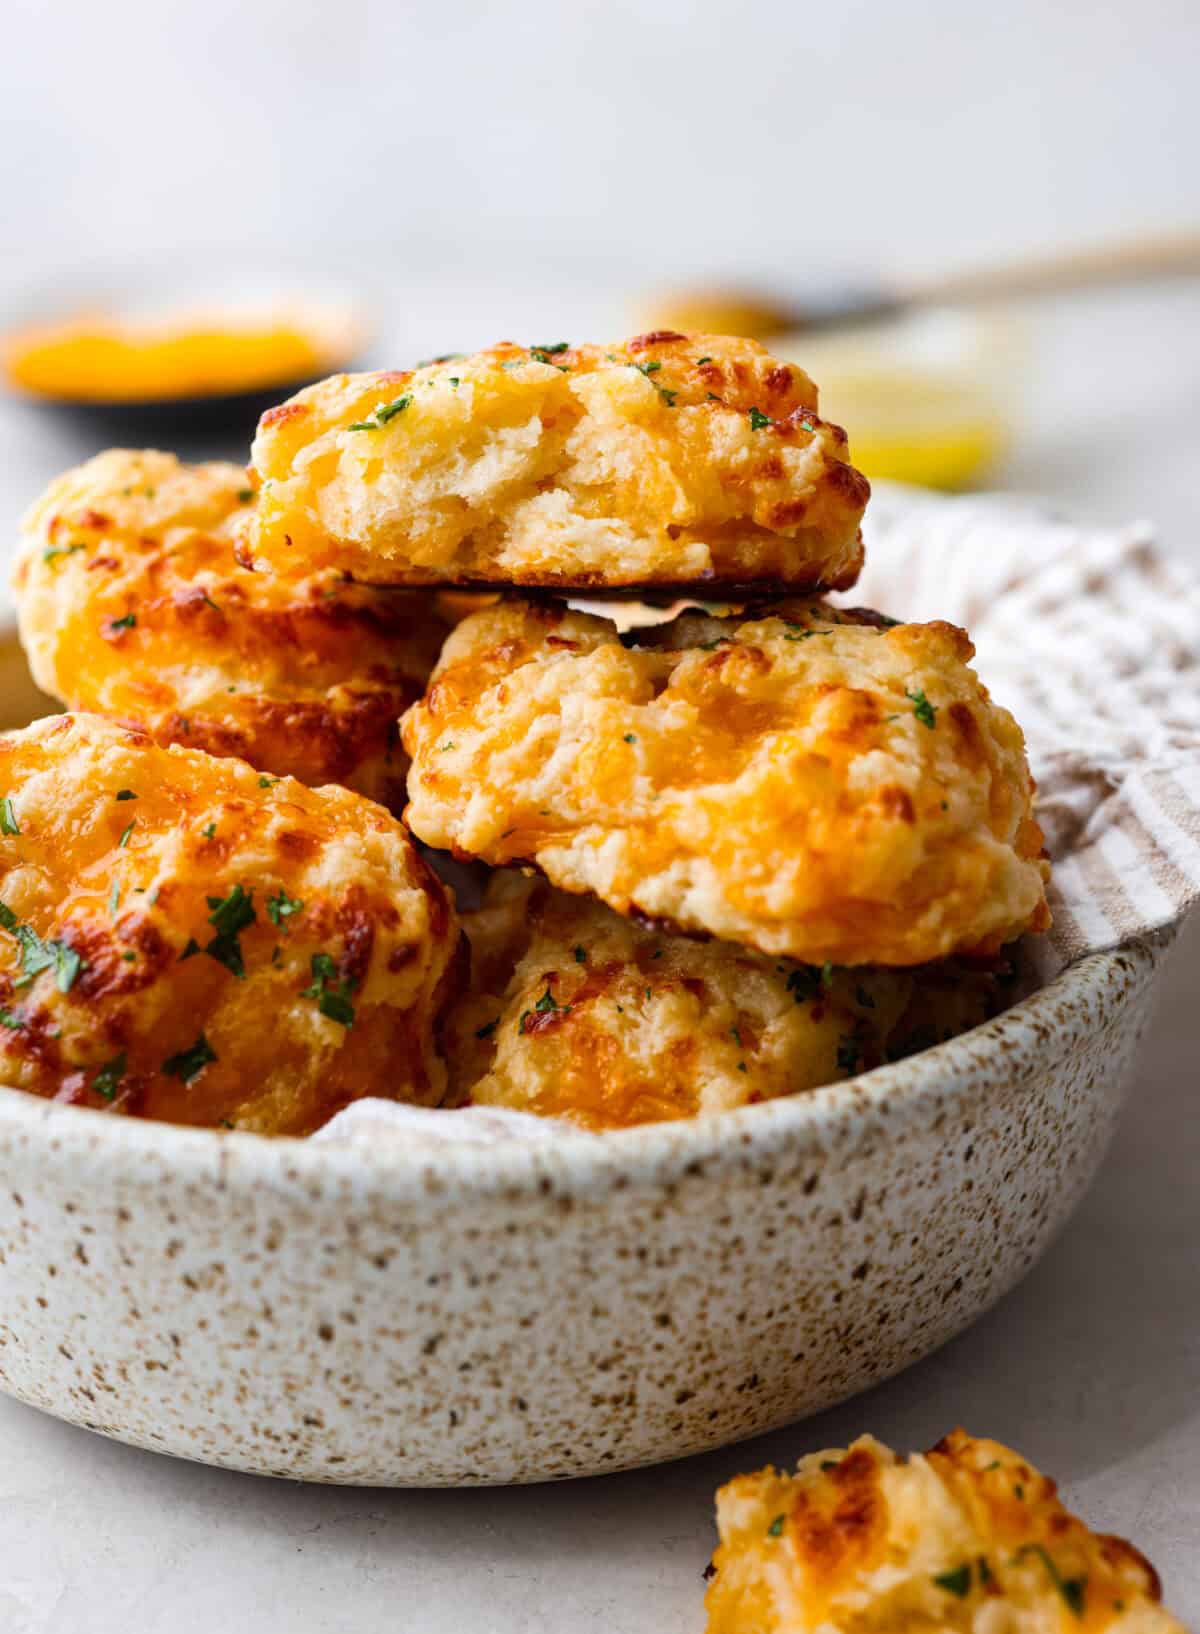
[(1092, 638)]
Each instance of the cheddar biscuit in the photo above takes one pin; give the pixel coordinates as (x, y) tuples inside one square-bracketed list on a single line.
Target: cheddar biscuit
[(967, 1538), (809, 782), (663, 461), (576, 1013), (132, 603), (185, 938)]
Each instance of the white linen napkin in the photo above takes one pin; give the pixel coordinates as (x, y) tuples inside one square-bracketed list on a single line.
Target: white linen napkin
[(1092, 638)]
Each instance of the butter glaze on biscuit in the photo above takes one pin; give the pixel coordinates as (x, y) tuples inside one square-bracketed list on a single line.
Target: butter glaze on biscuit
[(806, 781), (185, 938), (666, 460)]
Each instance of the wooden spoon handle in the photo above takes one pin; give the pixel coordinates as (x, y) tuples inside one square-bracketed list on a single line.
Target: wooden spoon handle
[(1140, 260)]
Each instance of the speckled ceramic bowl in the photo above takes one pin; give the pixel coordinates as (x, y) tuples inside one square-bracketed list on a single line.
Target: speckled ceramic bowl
[(390, 1315)]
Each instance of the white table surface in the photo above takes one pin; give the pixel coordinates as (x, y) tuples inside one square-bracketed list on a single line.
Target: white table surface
[(1092, 1367)]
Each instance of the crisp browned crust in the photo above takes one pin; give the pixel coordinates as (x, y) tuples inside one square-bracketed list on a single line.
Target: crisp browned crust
[(967, 1536), (300, 676), (158, 900), (667, 461)]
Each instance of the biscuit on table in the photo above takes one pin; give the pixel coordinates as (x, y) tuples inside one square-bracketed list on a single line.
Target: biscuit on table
[(576, 1013), (132, 603), (183, 937), (667, 460), (808, 781), (967, 1538)]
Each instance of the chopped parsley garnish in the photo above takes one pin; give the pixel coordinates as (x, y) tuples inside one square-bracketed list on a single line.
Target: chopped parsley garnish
[(849, 1052), (124, 840), (442, 357), (759, 421), (385, 412), (37, 955), (8, 1019), (245, 495), (282, 906), (129, 622), (775, 1529), (488, 1029), (229, 917), (580, 956), (925, 712), (550, 351), (956, 1582), (449, 744), (8, 817), (209, 831), (60, 550), (189, 1064), (332, 1000), (124, 794), (543, 1006), (630, 737), (266, 782), (1072, 1589), (665, 392), (107, 1080), (207, 599), (705, 359)]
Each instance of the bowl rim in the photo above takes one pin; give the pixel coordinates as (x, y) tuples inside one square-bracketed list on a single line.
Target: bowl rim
[(1029, 1037)]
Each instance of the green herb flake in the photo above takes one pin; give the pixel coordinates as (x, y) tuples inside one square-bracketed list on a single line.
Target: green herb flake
[(8, 1019), (209, 831), (129, 622), (281, 906), (488, 1029), (229, 916), (775, 1529), (829, 1463), (956, 1582), (128, 830), (1072, 1589), (129, 956), (759, 421), (701, 360), (580, 956), (265, 782), (189, 1064), (442, 357), (8, 817), (124, 794), (61, 550), (922, 708), (386, 412), (630, 737), (245, 495), (108, 1079), (332, 996), (550, 351)]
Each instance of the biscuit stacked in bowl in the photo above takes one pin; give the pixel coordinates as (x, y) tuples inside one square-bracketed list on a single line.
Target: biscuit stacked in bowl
[(760, 846)]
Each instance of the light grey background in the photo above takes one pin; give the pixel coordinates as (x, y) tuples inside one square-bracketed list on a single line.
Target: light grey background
[(521, 169)]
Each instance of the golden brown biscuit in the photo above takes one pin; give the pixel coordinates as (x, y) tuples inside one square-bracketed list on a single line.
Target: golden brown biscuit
[(131, 603), (573, 1012), (186, 938), (798, 779), (666, 460), (967, 1537)]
